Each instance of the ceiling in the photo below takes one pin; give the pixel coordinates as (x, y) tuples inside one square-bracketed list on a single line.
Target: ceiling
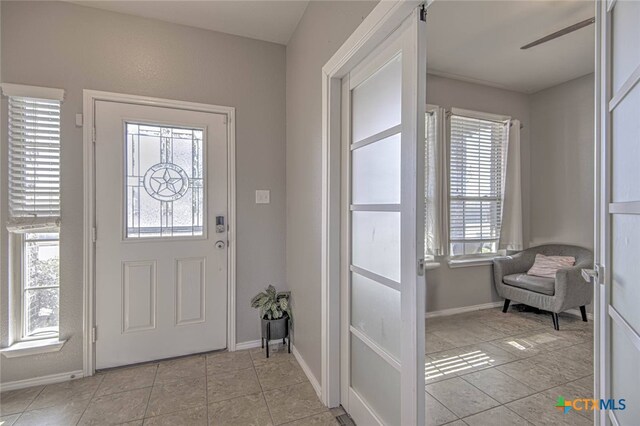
[(480, 41), (472, 40), (267, 20)]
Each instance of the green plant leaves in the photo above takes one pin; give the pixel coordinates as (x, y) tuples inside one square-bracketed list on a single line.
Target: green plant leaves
[(272, 304)]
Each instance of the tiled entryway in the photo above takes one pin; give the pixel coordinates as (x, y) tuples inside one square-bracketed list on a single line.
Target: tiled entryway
[(239, 388), (482, 368), (494, 369)]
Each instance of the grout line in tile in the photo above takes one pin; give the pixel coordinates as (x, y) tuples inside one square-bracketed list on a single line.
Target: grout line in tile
[(90, 399), (492, 408), (264, 397), (206, 389), (155, 376), (306, 417), (442, 403), (31, 402), (145, 408), (493, 368), (177, 410)]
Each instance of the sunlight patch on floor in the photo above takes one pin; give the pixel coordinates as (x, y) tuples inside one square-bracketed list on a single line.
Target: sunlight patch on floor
[(455, 364)]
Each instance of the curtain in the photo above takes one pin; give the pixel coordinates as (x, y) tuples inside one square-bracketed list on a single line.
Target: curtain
[(511, 229), (436, 183)]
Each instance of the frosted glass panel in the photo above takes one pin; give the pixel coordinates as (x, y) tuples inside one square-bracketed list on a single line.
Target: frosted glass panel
[(376, 102), (625, 128), (376, 172), (626, 41), (377, 382), (376, 242), (375, 310), (625, 287), (625, 376), (164, 181)]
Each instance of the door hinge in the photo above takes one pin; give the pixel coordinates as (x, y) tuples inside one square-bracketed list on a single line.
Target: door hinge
[(94, 334), (423, 13), (94, 234), (93, 134)]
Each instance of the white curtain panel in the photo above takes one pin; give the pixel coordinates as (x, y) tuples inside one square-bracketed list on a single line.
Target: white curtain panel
[(511, 230), (436, 183)]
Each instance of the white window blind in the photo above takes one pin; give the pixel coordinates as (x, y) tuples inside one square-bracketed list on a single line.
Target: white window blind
[(34, 161), (476, 183)]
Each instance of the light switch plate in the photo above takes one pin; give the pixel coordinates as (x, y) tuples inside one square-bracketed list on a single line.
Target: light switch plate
[(263, 196)]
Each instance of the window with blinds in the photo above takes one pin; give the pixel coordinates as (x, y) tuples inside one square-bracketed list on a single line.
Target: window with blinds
[(477, 152), (34, 207), (34, 160)]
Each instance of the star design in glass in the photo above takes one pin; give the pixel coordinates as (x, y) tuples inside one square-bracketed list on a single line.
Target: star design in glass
[(167, 182)]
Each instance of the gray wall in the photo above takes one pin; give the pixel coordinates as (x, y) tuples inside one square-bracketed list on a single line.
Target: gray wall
[(322, 30), (453, 288), (562, 163), (73, 47)]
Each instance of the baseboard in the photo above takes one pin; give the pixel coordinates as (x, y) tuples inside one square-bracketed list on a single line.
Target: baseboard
[(248, 345), (576, 313), (42, 380), (307, 371), (453, 311)]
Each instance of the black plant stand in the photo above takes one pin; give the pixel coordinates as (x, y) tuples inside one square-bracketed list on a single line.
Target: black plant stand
[(267, 338)]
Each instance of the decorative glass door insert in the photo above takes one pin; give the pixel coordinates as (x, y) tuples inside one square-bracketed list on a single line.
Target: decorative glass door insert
[(164, 181)]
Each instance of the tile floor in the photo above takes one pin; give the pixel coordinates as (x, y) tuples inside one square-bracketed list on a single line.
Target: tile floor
[(482, 368), (494, 369), (239, 388)]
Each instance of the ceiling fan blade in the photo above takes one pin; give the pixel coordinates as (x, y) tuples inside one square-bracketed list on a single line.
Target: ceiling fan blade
[(564, 31)]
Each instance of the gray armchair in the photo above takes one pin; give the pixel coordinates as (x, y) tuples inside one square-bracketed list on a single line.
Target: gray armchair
[(568, 290)]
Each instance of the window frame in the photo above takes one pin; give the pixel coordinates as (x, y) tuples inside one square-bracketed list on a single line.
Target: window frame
[(19, 342), (473, 259), (21, 260), (125, 237)]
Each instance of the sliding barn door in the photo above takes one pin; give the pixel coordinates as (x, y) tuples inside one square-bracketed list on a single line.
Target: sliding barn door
[(618, 247), (383, 134)]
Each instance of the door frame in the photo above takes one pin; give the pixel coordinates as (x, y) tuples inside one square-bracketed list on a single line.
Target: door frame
[(383, 20), (601, 126), (90, 97), (606, 101)]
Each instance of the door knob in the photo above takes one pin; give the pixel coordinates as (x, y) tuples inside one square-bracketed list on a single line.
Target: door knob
[(220, 244)]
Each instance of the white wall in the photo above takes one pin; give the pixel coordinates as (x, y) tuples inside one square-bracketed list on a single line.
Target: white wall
[(73, 47), (322, 30), (562, 163)]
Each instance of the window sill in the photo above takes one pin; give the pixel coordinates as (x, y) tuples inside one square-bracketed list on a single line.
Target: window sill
[(429, 265), (33, 347), (473, 261)]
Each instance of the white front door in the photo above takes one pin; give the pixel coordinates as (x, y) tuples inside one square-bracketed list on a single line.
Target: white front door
[(383, 290), (161, 259), (618, 233)]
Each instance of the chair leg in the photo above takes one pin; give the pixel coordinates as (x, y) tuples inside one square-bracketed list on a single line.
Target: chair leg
[(556, 321), (506, 305), (583, 311)]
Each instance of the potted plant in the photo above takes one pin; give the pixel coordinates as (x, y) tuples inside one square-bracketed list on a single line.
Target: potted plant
[(275, 313)]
